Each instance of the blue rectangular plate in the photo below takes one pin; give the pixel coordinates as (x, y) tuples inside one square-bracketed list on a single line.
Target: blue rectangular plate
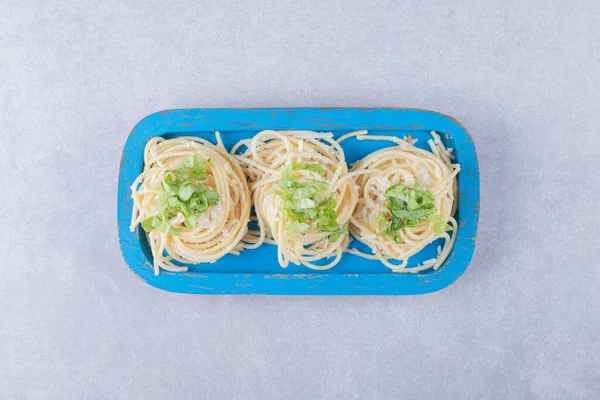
[(257, 271)]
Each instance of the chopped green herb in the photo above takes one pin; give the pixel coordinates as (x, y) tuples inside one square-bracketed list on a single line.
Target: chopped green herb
[(407, 208), (308, 167), (158, 222), (305, 205), (183, 192), (296, 227)]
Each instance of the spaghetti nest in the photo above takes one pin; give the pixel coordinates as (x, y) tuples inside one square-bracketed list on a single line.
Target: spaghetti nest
[(193, 201), (406, 201), (302, 194)]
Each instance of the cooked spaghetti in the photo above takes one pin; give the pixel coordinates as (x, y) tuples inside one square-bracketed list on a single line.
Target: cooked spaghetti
[(302, 194), (406, 201), (192, 199)]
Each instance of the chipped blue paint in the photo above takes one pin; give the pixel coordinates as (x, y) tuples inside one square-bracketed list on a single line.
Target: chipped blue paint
[(257, 271)]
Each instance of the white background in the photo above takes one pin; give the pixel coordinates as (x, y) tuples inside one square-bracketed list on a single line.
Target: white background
[(522, 322)]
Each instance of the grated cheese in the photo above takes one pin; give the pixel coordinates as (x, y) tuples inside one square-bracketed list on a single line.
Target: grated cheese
[(424, 177), (381, 184), (409, 180)]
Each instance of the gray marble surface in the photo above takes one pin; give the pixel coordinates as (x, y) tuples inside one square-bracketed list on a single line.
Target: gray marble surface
[(521, 323)]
